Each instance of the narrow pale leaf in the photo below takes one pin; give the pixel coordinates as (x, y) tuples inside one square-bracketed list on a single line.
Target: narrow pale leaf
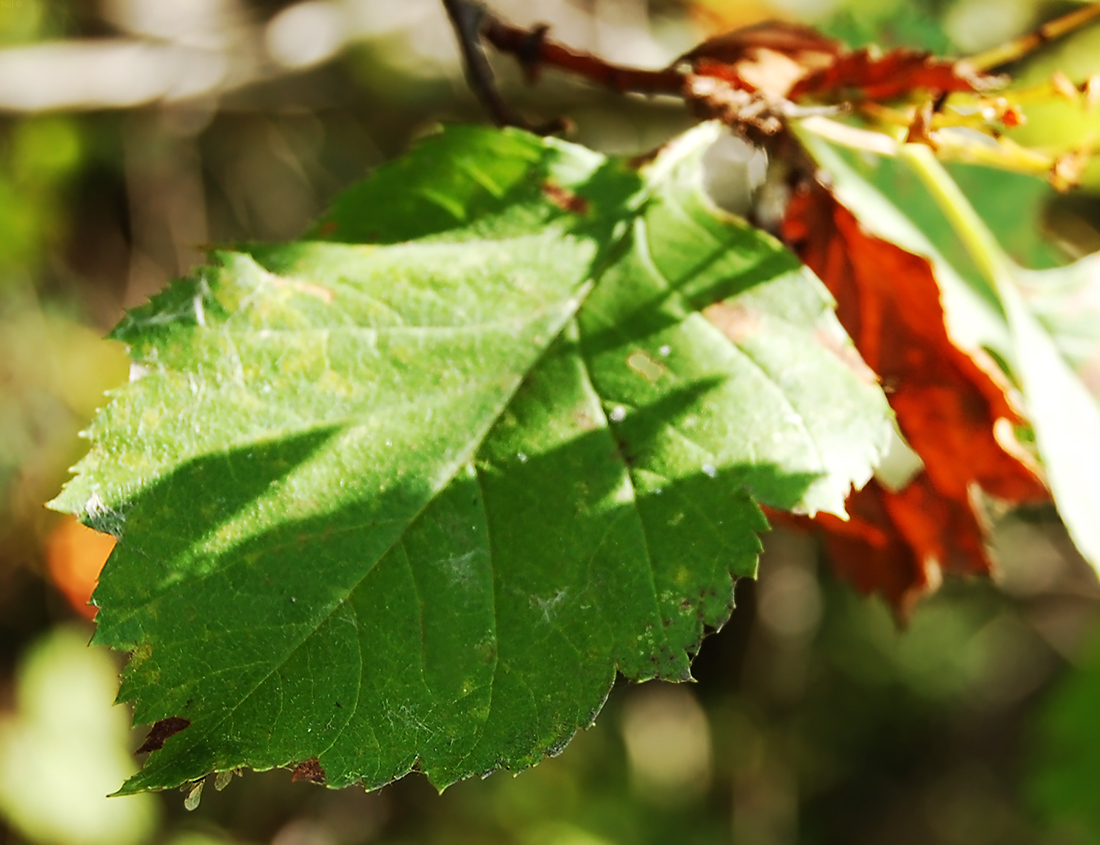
[(1066, 418), (1066, 301)]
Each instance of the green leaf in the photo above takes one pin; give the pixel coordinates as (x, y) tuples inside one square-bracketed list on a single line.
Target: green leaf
[(411, 499), (1065, 750)]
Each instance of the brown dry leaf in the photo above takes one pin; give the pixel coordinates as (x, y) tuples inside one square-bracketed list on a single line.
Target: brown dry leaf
[(866, 74), (769, 57), (75, 554), (947, 407), (897, 544), (788, 61)]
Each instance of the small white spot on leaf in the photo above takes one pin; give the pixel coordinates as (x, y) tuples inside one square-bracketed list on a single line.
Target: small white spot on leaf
[(648, 368)]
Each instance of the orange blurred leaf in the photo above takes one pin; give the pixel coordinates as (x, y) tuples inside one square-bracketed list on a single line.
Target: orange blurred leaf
[(75, 554)]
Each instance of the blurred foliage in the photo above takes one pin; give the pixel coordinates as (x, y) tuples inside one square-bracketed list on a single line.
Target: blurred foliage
[(1063, 782), (65, 732), (815, 720)]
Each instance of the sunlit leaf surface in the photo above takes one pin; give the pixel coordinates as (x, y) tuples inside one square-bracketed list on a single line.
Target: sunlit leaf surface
[(410, 493)]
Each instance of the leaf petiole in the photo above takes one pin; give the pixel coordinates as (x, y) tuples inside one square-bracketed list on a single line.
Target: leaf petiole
[(975, 235)]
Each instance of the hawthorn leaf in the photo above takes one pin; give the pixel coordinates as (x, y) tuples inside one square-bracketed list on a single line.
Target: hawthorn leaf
[(408, 494)]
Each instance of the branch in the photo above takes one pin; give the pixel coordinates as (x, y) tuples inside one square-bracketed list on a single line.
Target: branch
[(467, 18), (472, 21), (533, 50), (1020, 47)]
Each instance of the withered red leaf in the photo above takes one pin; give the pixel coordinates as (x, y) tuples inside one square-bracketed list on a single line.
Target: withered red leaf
[(785, 60), (876, 76), (768, 57), (897, 543), (947, 405), (791, 39)]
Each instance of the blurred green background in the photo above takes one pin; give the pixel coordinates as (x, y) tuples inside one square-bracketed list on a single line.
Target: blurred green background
[(135, 132)]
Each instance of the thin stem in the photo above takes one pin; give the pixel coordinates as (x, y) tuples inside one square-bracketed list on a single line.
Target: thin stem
[(1020, 47), (850, 136), (533, 50), (971, 229), (468, 17)]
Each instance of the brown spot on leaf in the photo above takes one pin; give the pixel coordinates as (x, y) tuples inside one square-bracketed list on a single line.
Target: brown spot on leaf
[(846, 353), (161, 731), (565, 199), (734, 321), (584, 420), (308, 770), (326, 295)]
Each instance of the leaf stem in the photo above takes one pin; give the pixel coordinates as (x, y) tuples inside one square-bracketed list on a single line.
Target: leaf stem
[(533, 49), (975, 235), (470, 19)]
